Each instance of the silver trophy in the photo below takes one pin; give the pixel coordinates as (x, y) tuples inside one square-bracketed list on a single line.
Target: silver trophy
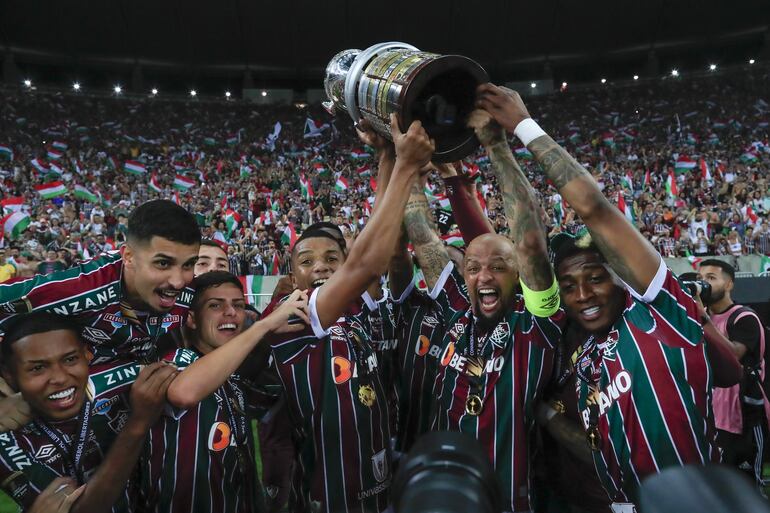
[(439, 90)]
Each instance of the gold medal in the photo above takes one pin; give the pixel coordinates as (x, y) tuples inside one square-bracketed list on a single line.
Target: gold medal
[(473, 405), (367, 395), (594, 438)]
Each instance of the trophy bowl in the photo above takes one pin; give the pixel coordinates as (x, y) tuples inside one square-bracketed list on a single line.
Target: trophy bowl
[(438, 90)]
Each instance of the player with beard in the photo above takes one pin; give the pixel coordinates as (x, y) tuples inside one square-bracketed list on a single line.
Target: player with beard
[(495, 355), (644, 382), (80, 430), (202, 459), (740, 411)]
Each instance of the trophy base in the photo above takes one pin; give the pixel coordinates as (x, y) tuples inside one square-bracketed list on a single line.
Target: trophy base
[(442, 95)]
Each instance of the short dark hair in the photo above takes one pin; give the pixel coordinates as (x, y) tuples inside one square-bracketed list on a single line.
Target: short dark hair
[(214, 244), (33, 323), (210, 279), (163, 218), (563, 245), (322, 229), (726, 268)]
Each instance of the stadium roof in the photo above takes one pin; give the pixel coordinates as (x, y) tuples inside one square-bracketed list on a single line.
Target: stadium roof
[(289, 42)]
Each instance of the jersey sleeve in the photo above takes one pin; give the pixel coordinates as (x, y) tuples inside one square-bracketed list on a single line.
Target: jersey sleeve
[(449, 292), (666, 311), (99, 277), (21, 477), (747, 330)]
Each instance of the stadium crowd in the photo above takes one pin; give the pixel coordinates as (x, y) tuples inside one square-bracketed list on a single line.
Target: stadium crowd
[(130, 378), (244, 184)]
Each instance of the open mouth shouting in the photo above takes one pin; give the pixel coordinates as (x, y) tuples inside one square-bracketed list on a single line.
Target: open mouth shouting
[(489, 299), (590, 313), (62, 399), (228, 327), (317, 283)]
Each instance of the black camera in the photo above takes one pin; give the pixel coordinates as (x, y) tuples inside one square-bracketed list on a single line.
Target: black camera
[(694, 286)]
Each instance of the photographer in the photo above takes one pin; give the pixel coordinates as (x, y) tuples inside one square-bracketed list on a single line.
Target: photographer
[(739, 411)]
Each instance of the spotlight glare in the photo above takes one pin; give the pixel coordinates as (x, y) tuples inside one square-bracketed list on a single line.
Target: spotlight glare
[(604, 81), (76, 86), (264, 93), (751, 61), (712, 67), (636, 77), (227, 94), (154, 91), (674, 72), (117, 89), (193, 92), (28, 83), (564, 84), (533, 85)]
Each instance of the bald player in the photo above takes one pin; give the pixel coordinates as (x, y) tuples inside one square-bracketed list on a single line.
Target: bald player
[(496, 352)]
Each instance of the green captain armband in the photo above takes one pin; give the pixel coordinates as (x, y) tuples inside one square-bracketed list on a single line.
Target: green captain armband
[(541, 303)]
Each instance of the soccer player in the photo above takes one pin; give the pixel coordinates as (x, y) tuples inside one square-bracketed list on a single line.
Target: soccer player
[(211, 257), (330, 373), (123, 301), (203, 459), (74, 419), (644, 381), (495, 354)]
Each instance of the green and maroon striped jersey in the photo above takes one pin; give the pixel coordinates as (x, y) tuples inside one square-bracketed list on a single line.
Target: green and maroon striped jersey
[(91, 293), (339, 408), (29, 461), (648, 386), (200, 459), (501, 383), (420, 335)]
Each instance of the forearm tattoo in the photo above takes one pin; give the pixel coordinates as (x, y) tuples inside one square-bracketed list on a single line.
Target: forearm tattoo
[(431, 253)]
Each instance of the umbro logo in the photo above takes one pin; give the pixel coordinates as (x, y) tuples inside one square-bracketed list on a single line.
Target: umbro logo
[(45, 451), (429, 320), (95, 335)]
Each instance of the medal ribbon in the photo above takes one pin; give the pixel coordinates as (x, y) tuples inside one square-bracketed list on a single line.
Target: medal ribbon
[(72, 461)]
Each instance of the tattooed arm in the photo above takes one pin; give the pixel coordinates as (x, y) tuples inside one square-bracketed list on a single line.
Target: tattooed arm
[(428, 248), (629, 254), (522, 210)]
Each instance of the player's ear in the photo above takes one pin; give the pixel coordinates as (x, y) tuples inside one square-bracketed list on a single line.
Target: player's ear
[(128, 255), (191, 320)]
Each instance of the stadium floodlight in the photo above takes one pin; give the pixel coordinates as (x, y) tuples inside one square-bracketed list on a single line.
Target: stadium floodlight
[(751, 61), (533, 85), (674, 72), (154, 91), (712, 67), (28, 83), (117, 89), (76, 86), (636, 77), (264, 93), (227, 94), (604, 81), (193, 92), (563, 85)]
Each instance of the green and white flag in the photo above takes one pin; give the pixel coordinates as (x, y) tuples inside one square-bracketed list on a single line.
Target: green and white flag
[(135, 168), (6, 151), (51, 190), (183, 183), (15, 223), (83, 193), (764, 265)]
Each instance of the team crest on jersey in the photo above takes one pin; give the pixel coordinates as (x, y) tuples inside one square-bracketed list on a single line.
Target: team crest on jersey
[(115, 319), (342, 369), (119, 421), (610, 345), (44, 452), (380, 466), (272, 491), (500, 333)]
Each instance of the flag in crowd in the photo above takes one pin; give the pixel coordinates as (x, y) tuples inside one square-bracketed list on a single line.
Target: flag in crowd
[(41, 166), (51, 189), (523, 153), (82, 192), (627, 210), (60, 145), (359, 154), (154, 184), (14, 223), (55, 170), (341, 184), (314, 128), (453, 239), (684, 164), (671, 189), (54, 154), (306, 188), (289, 236), (135, 168), (232, 220), (6, 151), (364, 170), (321, 169), (182, 183), (12, 204), (255, 287)]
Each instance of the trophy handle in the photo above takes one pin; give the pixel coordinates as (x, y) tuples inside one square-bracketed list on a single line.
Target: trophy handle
[(362, 59)]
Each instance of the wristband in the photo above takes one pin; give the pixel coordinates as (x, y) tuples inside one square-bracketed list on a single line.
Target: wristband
[(541, 303), (527, 131)]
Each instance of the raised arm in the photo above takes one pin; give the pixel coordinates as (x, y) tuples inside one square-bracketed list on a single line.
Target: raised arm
[(370, 255), (207, 373), (522, 210), (629, 254), (461, 193)]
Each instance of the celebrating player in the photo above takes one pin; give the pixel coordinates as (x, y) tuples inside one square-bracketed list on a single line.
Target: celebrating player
[(205, 456), (644, 380), (74, 420), (211, 257)]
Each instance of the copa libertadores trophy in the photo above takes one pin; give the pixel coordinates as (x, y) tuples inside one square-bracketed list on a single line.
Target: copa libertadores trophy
[(439, 90)]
